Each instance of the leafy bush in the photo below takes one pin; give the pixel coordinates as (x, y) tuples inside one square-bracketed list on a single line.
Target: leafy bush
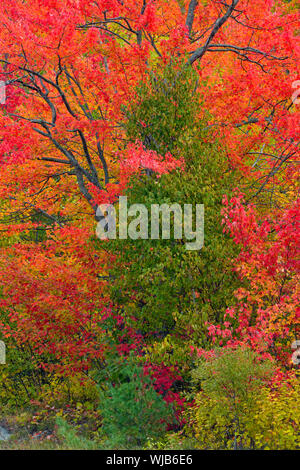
[(275, 422), (230, 381)]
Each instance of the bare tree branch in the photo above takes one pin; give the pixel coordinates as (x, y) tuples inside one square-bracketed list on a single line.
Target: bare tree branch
[(190, 15), (199, 53)]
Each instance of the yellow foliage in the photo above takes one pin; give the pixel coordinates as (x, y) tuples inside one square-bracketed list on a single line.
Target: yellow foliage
[(275, 423), (272, 423)]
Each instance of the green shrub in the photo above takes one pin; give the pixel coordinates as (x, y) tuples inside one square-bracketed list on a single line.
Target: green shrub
[(230, 383), (132, 410)]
